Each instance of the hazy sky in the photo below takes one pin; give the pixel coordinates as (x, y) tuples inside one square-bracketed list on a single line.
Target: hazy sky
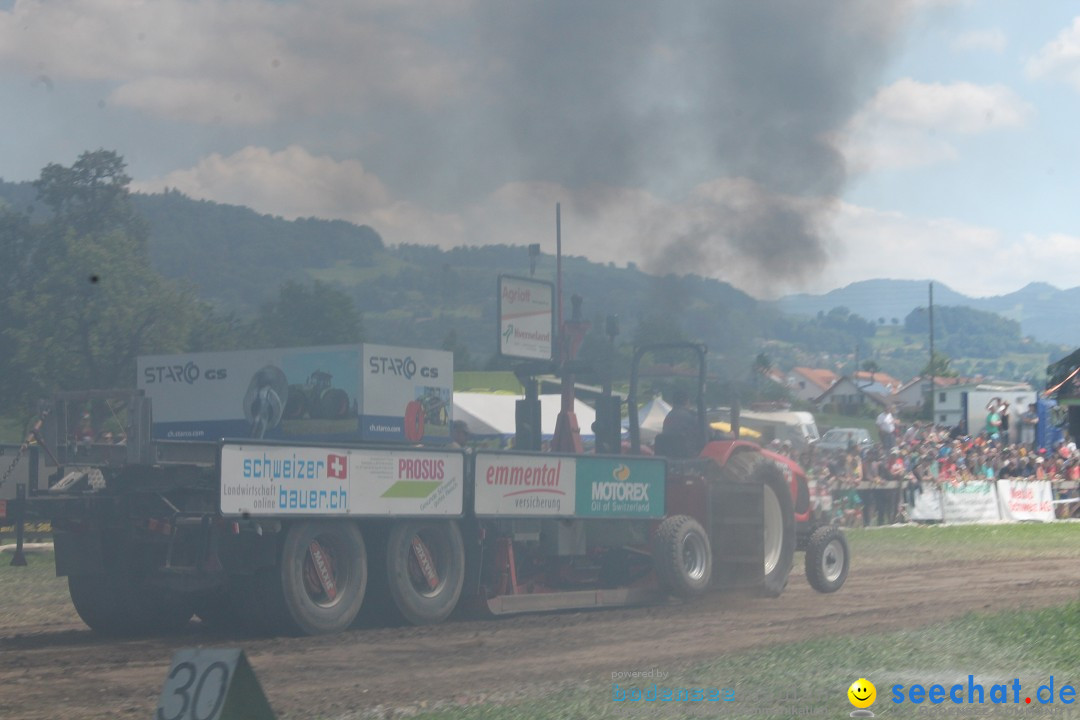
[(777, 145)]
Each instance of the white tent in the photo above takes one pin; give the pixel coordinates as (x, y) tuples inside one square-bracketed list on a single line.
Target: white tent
[(491, 414), (550, 405), (651, 419), (485, 413)]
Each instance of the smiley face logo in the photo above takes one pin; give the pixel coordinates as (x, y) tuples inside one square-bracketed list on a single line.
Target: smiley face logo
[(862, 693)]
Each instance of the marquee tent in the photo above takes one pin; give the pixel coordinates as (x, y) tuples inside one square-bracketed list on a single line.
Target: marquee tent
[(489, 414), (651, 419)]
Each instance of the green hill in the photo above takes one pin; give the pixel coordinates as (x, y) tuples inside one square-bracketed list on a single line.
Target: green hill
[(237, 260)]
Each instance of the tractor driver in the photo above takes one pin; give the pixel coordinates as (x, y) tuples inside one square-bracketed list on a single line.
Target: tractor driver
[(681, 430)]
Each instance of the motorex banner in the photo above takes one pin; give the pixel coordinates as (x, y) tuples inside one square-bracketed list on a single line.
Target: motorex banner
[(340, 393), (620, 487)]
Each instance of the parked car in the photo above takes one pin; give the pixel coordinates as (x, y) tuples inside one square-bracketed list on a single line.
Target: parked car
[(843, 438)]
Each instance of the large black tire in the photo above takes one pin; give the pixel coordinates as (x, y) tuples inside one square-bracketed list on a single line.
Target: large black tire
[(292, 598), (296, 405), (779, 528), (828, 559), (682, 556), (425, 569), (333, 404), (121, 605)]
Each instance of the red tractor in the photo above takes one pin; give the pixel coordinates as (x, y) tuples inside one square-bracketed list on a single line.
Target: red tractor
[(733, 469)]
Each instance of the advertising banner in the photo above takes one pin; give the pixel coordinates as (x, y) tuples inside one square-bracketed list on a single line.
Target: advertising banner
[(341, 393), (526, 318), (1026, 500), (272, 480), (288, 394), (525, 485), (969, 502), (407, 394), (927, 505), (620, 487)]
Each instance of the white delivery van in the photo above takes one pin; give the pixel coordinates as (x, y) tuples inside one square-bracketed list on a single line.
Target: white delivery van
[(796, 426)]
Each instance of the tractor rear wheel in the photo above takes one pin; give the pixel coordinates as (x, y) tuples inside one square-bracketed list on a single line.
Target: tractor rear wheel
[(779, 521), (753, 525), (682, 556)]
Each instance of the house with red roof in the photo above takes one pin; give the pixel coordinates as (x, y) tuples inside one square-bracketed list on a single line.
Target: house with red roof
[(807, 384)]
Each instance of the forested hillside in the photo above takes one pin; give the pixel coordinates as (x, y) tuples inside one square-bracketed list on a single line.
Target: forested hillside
[(185, 274)]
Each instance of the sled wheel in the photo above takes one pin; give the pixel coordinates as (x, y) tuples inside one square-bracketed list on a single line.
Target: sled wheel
[(122, 606), (425, 569), (319, 585)]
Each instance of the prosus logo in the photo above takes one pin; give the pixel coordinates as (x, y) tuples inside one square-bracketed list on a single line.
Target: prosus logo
[(417, 469)]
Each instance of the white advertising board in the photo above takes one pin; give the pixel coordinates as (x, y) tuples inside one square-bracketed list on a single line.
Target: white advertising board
[(969, 502), (1026, 500), (527, 485), (526, 318), (324, 481), (927, 505), (339, 393), (407, 394)]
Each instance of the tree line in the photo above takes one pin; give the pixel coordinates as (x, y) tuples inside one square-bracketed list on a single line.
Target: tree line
[(80, 300), (94, 276)]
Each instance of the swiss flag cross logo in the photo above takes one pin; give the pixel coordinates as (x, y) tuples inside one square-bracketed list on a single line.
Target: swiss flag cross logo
[(336, 467)]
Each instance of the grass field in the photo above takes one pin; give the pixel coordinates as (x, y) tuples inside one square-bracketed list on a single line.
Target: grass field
[(996, 649), (30, 593), (811, 678), (882, 547), (806, 678)]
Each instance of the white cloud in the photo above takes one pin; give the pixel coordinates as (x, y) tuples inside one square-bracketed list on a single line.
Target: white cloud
[(884, 244), (612, 224), (291, 183), (1060, 58), (244, 61), (956, 107), (992, 40), (911, 123), (603, 223)]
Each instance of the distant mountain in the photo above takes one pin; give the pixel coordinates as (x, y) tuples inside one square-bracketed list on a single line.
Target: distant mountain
[(1043, 311)]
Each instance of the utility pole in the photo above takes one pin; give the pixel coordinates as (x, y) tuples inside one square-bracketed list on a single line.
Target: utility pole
[(933, 390)]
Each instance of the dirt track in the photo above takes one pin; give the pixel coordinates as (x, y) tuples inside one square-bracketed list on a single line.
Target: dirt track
[(62, 670)]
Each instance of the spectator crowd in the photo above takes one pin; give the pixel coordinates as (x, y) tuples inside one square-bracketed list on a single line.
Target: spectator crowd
[(881, 483)]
